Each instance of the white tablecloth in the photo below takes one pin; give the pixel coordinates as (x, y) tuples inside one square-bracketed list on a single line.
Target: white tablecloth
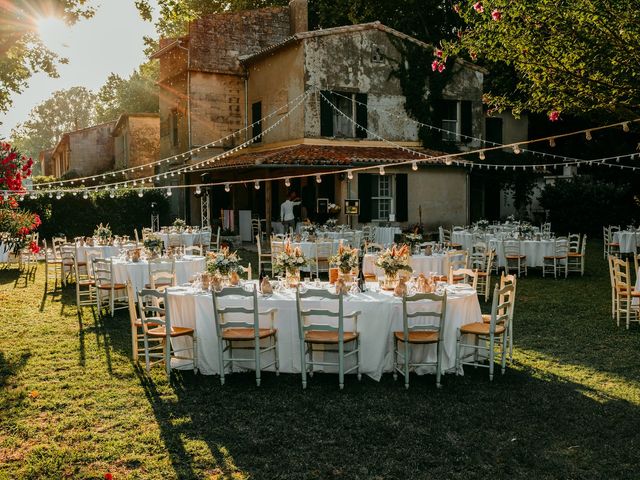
[(4, 253), (535, 250), (381, 315), (186, 239), (384, 235), (627, 241), (420, 263), (107, 251), (139, 272)]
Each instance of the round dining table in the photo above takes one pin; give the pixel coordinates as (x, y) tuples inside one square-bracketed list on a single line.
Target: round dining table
[(138, 272), (628, 240), (425, 264), (186, 239), (380, 316)]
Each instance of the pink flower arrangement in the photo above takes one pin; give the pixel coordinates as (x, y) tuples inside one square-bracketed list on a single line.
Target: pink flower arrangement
[(496, 15), (478, 7), (554, 115)]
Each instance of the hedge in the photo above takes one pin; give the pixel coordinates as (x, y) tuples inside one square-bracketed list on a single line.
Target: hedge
[(74, 216)]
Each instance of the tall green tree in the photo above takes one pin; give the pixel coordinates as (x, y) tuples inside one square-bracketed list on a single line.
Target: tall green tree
[(578, 57), (136, 94), (22, 53), (65, 111)]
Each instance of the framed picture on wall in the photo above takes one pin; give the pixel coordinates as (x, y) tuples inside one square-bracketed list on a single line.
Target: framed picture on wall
[(352, 206), (322, 205)]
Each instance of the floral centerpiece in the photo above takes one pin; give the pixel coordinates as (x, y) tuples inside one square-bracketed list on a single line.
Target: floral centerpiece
[(223, 262), (309, 229), (103, 233), (153, 243), (289, 262), (413, 239), (481, 225), (392, 261), (179, 224), (525, 229), (346, 260), (333, 209), (331, 224)]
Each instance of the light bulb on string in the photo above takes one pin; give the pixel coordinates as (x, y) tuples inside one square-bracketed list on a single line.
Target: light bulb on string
[(287, 182), (198, 190), (350, 174), (140, 193), (414, 166), (552, 142), (318, 179), (588, 135), (169, 192), (482, 155), (256, 185), (85, 196), (227, 187), (447, 161), (381, 170), (625, 127), (516, 149), (111, 194), (58, 197), (75, 193)]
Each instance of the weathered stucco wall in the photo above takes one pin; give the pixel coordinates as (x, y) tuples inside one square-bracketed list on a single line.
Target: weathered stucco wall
[(274, 81), (91, 150), (137, 142), (173, 95)]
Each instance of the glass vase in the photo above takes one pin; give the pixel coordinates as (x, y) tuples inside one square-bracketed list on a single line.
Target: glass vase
[(292, 278)]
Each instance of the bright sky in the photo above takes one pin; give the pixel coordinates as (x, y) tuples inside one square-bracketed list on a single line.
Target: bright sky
[(111, 41)]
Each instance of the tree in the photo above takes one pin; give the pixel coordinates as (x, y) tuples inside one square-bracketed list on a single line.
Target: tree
[(22, 53), (576, 57), (136, 94), (65, 111)]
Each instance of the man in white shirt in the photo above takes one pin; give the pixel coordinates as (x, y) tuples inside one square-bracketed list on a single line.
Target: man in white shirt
[(287, 217)]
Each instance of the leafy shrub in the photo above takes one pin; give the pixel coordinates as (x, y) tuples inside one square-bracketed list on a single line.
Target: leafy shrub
[(585, 204)]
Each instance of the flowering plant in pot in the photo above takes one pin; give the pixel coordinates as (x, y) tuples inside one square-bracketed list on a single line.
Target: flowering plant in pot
[(289, 262)]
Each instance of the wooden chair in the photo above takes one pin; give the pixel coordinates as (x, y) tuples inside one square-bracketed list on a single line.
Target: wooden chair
[(85, 284), (576, 260), (116, 293), (513, 257), (264, 258), (574, 242), (558, 261), (53, 265), (494, 332), (153, 308), (614, 297), (625, 293), (445, 238), (323, 250), (162, 274), (484, 274), (463, 275), (137, 329), (193, 250), (419, 334), (611, 247), (458, 259), (372, 247), (245, 331), (506, 280), (333, 338)]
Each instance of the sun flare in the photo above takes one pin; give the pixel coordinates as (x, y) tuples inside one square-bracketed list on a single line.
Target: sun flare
[(52, 30)]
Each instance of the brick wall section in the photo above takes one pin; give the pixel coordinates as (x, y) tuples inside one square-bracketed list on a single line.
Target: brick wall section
[(216, 41), (91, 150)]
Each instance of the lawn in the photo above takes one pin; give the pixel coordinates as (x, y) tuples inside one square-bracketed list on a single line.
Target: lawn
[(74, 405)]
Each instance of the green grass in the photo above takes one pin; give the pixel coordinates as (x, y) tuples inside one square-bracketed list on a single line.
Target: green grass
[(569, 406)]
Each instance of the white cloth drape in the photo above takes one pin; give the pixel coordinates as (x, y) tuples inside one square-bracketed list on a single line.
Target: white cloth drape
[(424, 264), (628, 241), (138, 272), (186, 239)]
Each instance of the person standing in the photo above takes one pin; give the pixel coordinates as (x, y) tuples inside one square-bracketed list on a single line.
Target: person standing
[(287, 216)]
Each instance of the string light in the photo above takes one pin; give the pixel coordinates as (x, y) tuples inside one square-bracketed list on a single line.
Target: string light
[(85, 196), (588, 135), (414, 166), (169, 192), (382, 172), (350, 174), (111, 194), (198, 190), (318, 179), (481, 155), (625, 127), (447, 161), (256, 185), (227, 187), (287, 182), (552, 142), (516, 149), (140, 193)]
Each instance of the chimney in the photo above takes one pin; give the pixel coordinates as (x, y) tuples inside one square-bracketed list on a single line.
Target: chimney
[(298, 16)]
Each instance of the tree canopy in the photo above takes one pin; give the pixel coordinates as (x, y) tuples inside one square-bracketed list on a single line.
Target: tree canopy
[(578, 57), (22, 53)]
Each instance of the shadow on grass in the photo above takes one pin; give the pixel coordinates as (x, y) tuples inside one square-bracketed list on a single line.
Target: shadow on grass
[(10, 367)]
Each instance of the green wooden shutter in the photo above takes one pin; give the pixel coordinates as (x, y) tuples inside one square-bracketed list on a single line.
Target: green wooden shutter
[(402, 198), (326, 115), (256, 114), (466, 122), (364, 194), (361, 114)]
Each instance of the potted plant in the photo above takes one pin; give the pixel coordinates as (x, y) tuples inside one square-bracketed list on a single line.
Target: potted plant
[(179, 224), (346, 260), (223, 263), (103, 234)]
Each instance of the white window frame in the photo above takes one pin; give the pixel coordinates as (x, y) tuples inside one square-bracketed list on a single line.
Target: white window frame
[(337, 116), (375, 216), (457, 122)]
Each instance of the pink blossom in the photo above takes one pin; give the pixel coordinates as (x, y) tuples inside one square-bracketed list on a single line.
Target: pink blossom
[(441, 67), (438, 53), (456, 8), (554, 116), (478, 7), (474, 56), (496, 15), (434, 65)]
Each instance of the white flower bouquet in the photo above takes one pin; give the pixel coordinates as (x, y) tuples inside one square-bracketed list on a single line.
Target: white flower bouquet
[(346, 259), (290, 260), (393, 260), (223, 262)]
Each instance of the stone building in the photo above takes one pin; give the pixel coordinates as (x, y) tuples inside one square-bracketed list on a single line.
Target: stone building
[(136, 138), (232, 70), (45, 159), (84, 152)]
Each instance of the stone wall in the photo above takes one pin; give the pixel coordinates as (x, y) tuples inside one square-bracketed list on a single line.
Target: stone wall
[(137, 143), (216, 41), (91, 150)]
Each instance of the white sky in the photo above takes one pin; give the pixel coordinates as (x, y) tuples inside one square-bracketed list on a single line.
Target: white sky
[(111, 41)]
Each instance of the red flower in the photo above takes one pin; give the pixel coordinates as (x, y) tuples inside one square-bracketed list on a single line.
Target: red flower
[(23, 231), (441, 68), (554, 116), (474, 56), (478, 7), (434, 65), (34, 248), (438, 53), (108, 476), (496, 15)]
